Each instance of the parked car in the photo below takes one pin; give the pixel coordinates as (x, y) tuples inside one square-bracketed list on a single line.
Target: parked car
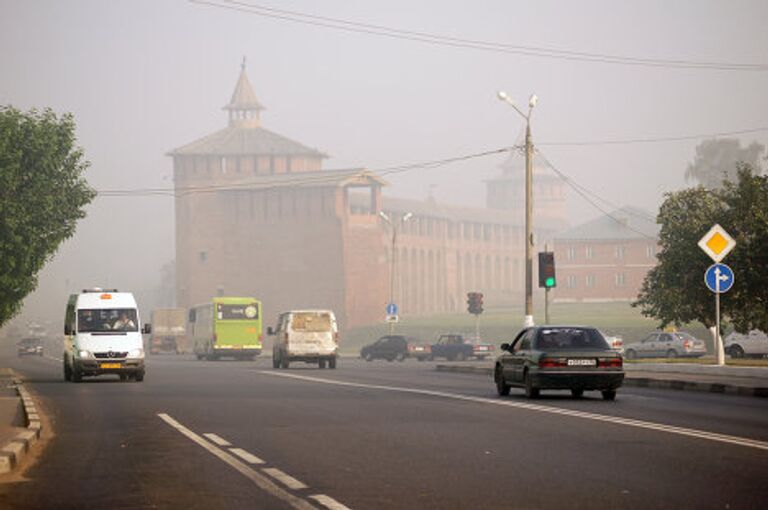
[(395, 347), (615, 342), (666, 344), (754, 343), (572, 358), (452, 347), (480, 348), (29, 346)]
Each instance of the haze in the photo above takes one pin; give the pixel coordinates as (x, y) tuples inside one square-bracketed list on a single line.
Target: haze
[(145, 77)]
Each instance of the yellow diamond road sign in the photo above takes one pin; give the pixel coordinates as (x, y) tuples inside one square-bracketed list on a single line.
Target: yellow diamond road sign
[(717, 243)]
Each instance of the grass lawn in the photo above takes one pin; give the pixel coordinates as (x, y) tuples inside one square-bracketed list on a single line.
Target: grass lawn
[(499, 326)]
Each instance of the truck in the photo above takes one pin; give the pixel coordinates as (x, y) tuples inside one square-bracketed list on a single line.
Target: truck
[(169, 331)]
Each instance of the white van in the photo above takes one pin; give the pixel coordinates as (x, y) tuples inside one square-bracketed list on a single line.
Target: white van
[(311, 336), (102, 336)]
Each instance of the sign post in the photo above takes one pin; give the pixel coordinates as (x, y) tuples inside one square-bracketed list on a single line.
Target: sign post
[(392, 317), (717, 243)]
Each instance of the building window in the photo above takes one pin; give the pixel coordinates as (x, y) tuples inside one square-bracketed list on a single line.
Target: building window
[(621, 279), (571, 253), (589, 252), (570, 282), (590, 280), (621, 250), (650, 251)]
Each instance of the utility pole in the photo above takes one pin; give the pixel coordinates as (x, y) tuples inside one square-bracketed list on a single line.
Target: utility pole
[(528, 320), (393, 266)]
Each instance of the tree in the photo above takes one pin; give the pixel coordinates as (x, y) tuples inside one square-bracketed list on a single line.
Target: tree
[(673, 292), (716, 161), (42, 195)]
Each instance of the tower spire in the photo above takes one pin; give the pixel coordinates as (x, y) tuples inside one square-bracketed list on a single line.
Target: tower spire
[(243, 107)]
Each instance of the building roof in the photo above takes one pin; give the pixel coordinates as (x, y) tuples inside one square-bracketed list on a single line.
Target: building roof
[(243, 97), (315, 179), (246, 141), (623, 223)]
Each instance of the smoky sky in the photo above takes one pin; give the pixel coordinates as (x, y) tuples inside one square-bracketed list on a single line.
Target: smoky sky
[(145, 77)]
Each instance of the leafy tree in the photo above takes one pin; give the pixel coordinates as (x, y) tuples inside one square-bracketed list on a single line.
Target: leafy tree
[(42, 195), (674, 292), (716, 161)]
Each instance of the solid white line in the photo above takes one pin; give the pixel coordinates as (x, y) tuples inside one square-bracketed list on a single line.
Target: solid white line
[(284, 478), (329, 502), (659, 427), (218, 440), (246, 456), (260, 480)]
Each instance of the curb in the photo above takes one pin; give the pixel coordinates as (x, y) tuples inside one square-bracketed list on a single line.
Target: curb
[(14, 450), (645, 382)]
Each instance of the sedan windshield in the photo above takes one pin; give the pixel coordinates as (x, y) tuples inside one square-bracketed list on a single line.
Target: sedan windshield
[(569, 338)]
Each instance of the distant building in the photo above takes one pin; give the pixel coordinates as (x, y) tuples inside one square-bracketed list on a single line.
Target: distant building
[(257, 215), (606, 259)]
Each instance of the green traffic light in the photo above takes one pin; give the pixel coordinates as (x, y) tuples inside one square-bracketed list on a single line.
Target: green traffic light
[(549, 282)]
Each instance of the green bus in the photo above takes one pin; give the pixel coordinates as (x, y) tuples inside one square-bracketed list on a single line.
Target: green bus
[(226, 327)]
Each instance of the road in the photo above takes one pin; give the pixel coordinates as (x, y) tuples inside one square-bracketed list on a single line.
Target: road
[(380, 436)]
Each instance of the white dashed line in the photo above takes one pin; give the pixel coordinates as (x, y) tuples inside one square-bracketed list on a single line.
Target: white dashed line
[(218, 440), (284, 478), (246, 456), (257, 478), (659, 427), (329, 502)]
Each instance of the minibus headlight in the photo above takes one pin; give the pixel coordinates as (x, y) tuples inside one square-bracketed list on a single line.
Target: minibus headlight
[(85, 355), (136, 353)]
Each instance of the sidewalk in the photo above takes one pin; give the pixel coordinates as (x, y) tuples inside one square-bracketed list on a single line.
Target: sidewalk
[(744, 381), (19, 421)]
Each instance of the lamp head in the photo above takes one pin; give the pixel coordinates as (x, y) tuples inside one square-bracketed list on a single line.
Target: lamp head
[(407, 216), (384, 216), (532, 100), (502, 95)]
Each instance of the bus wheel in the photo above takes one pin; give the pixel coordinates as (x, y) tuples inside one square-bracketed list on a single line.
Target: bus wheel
[(275, 362), (284, 363)]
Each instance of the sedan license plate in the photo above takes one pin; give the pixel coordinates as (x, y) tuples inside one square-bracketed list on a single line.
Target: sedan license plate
[(110, 365), (590, 362)]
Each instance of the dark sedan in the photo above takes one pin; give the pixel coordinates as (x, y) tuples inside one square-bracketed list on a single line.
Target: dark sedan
[(572, 358)]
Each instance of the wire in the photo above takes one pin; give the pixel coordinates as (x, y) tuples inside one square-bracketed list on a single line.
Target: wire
[(436, 39), (583, 192), (654, 140), (321, 178)]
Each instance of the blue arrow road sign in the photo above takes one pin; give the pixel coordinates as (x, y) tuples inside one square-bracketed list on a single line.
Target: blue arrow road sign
[(719, 278), (391, 309)]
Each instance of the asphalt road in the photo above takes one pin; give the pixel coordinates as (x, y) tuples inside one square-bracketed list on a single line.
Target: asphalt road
[(380, 435)]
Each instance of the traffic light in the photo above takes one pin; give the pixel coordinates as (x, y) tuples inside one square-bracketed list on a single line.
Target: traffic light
[(475, 302), (547, 277)]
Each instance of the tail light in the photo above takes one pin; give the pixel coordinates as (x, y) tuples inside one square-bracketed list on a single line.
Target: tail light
[(552, 363), (610, 363), (215, 338), (687, 345), (261, 337)]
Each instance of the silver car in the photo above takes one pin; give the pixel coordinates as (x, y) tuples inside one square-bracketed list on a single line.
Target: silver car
[(664, 344)]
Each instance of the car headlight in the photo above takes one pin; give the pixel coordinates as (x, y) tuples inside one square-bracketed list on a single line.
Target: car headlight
[(136, 353), (85, 355)]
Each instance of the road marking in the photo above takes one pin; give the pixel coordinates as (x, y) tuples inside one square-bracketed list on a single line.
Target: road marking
[(218, 440), (284, 478), (329, 502), (260, 480), (659, 427), (246, 456)]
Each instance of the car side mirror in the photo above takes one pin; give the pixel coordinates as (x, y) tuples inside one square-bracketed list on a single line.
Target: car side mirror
[(270, 331), (505, 347), (147, 329)]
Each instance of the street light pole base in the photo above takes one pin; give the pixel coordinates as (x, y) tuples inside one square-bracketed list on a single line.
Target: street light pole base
[(528, 321)]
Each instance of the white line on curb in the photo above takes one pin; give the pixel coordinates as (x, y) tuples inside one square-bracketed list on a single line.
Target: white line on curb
[(218, 440), (670, 429), (260, 480), (284, 478), (329, 502), (246, 456)]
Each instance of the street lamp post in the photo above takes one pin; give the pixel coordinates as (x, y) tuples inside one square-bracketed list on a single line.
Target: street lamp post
[(528, 321), (393, 257)]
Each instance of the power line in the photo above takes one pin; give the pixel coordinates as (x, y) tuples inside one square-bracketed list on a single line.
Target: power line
[(457, 42), (320, 178), (653, 140)]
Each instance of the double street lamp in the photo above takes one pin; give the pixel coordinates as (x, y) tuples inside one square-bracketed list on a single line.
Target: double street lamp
[(528, 203), (395, 226)]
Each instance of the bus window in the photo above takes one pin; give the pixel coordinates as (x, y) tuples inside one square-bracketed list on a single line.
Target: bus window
[(237, 312)]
